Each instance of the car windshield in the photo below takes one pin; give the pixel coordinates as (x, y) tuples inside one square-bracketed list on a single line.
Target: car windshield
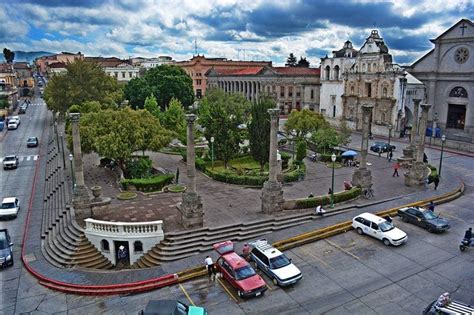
[(386, 226), (429, 215), (279, 262), (9, 158), (31, 140), (8, 205), (244, 273)]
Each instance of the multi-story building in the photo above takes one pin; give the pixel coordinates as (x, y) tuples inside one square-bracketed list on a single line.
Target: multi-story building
[(43, 63), (448, 73), (8, 80), (148, 63), (120, 69), (24, 74), (292, 87), (198, 66)]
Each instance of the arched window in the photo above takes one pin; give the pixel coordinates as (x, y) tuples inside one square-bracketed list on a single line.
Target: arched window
[(138, 247), (352, 90), (369, 68), (336, 73), (384, 91), (382, 117), (374, 67), (327, 73), (458, 91), (104, 246)]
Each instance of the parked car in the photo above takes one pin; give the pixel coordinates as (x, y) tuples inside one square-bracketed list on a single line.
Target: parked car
[(382, 147), (274, 263), (380, 228), (238, 272), (22, 109), (6, 249), (425, 218), (171, 307), (10, 207), (32, 142), (12, 124), (10, 161)]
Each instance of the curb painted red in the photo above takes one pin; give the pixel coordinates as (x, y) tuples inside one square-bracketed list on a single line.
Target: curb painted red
[(123, 288)]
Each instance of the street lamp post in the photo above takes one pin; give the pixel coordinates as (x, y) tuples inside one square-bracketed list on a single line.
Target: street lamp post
[(212, 152), (389, 137), (443, 139), (72, 174), (333, 159)]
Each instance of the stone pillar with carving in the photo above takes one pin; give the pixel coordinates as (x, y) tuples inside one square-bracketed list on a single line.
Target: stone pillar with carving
[(418, 171), (362, 176), (81, 198), (272, 192), (191, 212), (409, 151)]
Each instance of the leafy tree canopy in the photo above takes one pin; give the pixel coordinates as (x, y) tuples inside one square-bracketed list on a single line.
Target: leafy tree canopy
[(259, 130), (165, 82), (151, 105), (303, 63), (82, 82), (117, 134), (8, 55), (291, 61), (221, 114), (325, 139), (305, 121), (174, 118)]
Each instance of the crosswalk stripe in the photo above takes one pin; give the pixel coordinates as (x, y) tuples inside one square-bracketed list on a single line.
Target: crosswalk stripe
[(24, 158), (35, 157)]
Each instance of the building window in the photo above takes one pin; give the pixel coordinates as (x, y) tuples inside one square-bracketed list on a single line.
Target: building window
[(104, 246), (198, 82), (456, 116), (137, 247), (384, 91), (198, 93), (458, 92), (290, 91), (116, 74), (282, 91), (327, 73), (368, 89), (336, 73), (298, 92), (123, 74), (312, 94), (369, 68), (352, 90), (323, 111)]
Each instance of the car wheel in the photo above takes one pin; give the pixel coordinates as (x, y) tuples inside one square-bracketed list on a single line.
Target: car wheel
[(462, 248), (239, 293), (13, 262), (359, 231), (275, 281), (386, 242), (430, 229)]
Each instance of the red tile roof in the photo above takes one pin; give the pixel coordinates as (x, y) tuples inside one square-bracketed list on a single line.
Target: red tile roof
[(297, 70), (239, 71)]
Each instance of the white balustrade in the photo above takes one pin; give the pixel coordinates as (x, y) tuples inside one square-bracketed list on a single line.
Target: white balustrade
[(124, 229)]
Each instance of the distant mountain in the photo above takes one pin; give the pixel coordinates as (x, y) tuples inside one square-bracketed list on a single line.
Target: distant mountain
[(29, 56)]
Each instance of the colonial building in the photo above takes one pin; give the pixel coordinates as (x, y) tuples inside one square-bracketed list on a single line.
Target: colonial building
[(43, 63), (57, 68), (122, 70), (332, 87), (8, 80), (25, 81), (148, 63), (293, 87), (198, 66), (368, 76), (448, 73)]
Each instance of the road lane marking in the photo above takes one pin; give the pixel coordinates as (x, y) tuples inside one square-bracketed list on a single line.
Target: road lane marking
[(227, 290), (309, 253), (343, 250), (187, 295)]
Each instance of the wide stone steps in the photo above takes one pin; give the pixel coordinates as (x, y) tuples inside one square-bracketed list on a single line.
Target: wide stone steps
[(63, 242), (178, 245)]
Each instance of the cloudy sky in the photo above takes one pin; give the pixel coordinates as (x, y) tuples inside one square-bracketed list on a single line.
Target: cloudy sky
[(245, 29)]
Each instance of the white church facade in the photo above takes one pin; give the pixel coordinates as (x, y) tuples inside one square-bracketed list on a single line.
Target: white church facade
[(448, 74)]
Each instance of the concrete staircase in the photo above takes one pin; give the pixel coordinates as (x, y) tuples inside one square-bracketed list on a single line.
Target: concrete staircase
[(178, 245), (63, 241)]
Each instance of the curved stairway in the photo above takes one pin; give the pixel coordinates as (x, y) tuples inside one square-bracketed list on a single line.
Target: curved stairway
[(63, 241), (183, 244)]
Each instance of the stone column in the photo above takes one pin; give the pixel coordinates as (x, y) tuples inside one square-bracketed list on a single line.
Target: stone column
[(272, 192), (418, 171), (409, 151), (81, 198), (191, 212), (362, 176)]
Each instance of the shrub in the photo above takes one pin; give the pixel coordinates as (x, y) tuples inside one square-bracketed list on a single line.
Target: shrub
[(154, 183), (295, 173), (285, 158), (139, 167), (326, 199), (301, 150)]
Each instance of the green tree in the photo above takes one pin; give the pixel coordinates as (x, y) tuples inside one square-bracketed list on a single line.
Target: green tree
[(301, 148), (8, 55), (305, 121), (259, 130), (83, 81), (221, 114), (165, 82), (86, 107), (325, 139), (303, 63), (291, 60), (118, 134), (344, 132), (151, 105), (174, 119)]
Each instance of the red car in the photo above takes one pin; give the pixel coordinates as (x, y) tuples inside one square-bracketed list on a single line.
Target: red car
[(238, 272)]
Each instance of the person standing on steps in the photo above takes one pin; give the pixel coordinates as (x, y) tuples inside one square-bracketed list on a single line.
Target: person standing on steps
[(396, 166), (122, 255)]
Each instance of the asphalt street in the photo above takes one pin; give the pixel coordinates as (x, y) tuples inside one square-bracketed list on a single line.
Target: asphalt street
[(345, 274)]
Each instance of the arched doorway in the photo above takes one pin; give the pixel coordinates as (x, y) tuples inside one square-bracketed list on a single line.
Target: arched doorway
[(457, 107)]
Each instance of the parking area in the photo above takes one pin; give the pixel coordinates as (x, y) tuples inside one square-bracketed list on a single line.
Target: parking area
[(353, 274)]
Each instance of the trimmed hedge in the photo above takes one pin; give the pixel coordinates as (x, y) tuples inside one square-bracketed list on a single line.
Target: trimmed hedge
[(297, 173), (313, 202), (154, 183)]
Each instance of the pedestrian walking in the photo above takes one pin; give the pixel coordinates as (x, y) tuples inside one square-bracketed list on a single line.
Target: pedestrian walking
[(436, 182), (122, 255), (209, 266), (396, 166), (390, 156), (431, 206), (330, 191)]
